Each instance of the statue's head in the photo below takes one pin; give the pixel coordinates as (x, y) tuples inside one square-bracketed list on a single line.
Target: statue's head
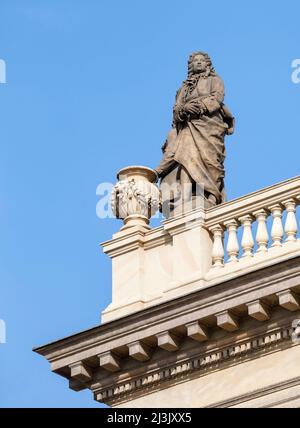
[(200, 62)]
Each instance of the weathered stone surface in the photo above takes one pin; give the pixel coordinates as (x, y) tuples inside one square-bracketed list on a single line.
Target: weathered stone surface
[(168, 341), (80, 372), (289, 300), (76, 385), (227, 321), (258, 310), (139, 351), (109, 361), (197, 331)]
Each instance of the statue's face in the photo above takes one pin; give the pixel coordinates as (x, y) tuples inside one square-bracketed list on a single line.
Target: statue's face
[(199, 64)]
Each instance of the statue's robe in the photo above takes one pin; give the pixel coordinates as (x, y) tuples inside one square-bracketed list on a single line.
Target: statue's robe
[(196, 145)]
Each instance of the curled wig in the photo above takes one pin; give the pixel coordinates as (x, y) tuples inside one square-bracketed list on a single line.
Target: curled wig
[(210, 70)]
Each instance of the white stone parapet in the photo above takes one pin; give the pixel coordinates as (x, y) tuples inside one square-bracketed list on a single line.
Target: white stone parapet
[(201, 248), (251, 215)]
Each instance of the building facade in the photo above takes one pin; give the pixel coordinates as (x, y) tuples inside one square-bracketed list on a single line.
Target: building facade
[(204, 313)]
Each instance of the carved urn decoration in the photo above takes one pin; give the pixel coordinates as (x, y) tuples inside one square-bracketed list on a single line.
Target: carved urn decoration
[(135, 198)]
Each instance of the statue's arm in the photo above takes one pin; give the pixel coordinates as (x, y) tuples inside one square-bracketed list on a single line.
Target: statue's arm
[(183, 109), (214, 101)]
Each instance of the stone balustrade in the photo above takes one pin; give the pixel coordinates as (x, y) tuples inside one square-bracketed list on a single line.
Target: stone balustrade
[(254, 225), (202, 248)]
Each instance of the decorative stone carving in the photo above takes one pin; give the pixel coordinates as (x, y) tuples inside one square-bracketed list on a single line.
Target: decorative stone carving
[(135, 198), (296, 331)]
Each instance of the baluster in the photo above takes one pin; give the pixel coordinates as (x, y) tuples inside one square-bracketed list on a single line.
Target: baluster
[(291, 221), (232, 244), (247, 239), (218, 248), (277, 228), (262, 235)]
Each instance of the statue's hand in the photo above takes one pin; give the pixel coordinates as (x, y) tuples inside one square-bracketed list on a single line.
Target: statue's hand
[(192, 107)]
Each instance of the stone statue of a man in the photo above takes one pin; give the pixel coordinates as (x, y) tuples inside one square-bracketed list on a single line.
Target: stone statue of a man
[(194, 152)]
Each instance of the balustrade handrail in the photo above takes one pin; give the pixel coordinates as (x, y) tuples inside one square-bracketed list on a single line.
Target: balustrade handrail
[(248, 204), (258, 206)]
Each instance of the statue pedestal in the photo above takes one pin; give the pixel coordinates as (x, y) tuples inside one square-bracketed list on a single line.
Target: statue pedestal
[(152, 266)]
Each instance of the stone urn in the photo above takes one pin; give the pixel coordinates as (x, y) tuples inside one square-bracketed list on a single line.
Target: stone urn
[(135, 198)]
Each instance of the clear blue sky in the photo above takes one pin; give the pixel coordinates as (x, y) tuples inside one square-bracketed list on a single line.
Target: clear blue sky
[(90, 88)]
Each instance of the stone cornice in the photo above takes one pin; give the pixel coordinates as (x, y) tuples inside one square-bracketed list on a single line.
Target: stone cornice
[(125, 242), (199, 365), (231, 315), (192, 307)]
